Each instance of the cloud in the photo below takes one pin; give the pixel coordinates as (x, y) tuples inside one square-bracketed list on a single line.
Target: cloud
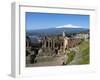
[(69, 26)]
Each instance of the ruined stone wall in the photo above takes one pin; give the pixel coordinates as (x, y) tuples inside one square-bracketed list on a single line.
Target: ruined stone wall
[(72, 42), (52, 44)]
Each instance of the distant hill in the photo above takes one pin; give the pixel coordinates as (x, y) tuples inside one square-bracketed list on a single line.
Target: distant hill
[(55, 31)]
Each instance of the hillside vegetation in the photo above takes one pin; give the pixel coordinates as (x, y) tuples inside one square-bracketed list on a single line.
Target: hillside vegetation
[(84, 49)]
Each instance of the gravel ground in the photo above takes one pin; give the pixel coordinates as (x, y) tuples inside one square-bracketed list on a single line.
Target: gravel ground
[(48, 61)]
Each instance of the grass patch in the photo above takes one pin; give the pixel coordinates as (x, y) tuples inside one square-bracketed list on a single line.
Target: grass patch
[(83, 45), (84, 49)]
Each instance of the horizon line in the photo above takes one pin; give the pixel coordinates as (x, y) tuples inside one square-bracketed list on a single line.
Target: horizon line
[(59, 28)]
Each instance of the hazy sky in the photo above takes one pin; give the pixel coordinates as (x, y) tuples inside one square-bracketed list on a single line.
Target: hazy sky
[(48, 20)]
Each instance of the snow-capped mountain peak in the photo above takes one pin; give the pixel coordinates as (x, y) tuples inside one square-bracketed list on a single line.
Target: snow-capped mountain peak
[(69, 26)]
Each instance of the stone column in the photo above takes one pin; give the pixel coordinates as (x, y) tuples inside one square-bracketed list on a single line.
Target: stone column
[(52, 44)]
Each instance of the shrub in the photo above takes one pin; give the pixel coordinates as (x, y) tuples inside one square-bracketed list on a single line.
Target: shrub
[(71, 56)]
